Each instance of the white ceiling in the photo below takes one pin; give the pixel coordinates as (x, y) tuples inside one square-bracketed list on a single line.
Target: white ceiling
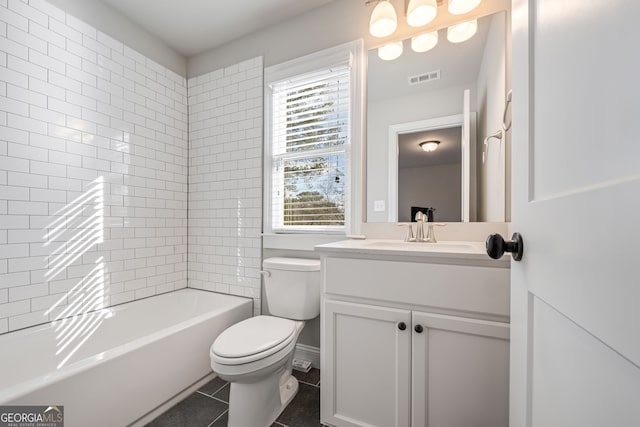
[(410, 155), (194, 26)]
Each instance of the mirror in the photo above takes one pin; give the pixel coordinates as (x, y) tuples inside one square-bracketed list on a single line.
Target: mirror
[(464, 179), (429, 177)]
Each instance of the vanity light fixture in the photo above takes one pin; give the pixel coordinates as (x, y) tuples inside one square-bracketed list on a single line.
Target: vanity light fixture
[(429, 146), (459, 7), (462, 32), (384, 20), (390, 51), (424, 42), (421, 12)]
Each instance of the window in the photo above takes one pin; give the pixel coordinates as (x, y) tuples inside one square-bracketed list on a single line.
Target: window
[(309, 134)]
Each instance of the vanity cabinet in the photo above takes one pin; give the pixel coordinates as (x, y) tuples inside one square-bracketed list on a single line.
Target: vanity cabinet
[(366, 370), (459, 372), (414, 342)]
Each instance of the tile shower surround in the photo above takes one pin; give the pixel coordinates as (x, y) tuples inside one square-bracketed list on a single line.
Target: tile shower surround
[(225, 180), (94, 161)]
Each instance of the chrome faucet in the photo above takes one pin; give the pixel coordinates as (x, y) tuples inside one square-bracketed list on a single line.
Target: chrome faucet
[(420, 219), (409, 236), (430, 237), (431, 234), (420, 236)]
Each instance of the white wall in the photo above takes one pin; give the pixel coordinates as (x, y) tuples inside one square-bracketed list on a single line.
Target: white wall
[(93, 169), (111, 22), (490, 104), (335, 23), (338, 22), (431, 186), (225, 180)]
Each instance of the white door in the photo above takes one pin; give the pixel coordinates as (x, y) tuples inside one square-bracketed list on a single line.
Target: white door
[(575, 348)]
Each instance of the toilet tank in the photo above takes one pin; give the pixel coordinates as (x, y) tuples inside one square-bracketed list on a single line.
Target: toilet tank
[(292, 287)]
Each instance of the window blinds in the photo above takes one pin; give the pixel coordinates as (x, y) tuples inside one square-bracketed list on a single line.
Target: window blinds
[(310, 151)]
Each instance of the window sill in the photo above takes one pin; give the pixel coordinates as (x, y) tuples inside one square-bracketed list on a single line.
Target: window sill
[(299, 242)]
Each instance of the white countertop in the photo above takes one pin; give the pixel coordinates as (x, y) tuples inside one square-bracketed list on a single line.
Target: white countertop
[(458, 250)]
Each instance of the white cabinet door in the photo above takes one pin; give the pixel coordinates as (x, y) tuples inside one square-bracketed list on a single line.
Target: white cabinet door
[(576, 197), (366, 365), (460, 372)]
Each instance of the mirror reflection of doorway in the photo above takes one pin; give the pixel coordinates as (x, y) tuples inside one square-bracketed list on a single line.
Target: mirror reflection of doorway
[(430, 179)]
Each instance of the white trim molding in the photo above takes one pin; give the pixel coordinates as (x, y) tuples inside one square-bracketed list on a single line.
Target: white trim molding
[(468, 159), (307, 352), (351, 53)]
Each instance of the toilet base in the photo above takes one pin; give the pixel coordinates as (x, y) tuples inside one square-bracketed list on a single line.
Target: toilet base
[(288, 391), (260, 403)]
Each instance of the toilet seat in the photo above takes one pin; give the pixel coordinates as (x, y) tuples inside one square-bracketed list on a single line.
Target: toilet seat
[(253, 339)]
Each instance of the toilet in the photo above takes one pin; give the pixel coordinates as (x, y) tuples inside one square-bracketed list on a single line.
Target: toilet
[(256, 355)]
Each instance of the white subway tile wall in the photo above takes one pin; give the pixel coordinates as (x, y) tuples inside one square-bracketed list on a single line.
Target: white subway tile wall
[(93, 170), (225, 180)]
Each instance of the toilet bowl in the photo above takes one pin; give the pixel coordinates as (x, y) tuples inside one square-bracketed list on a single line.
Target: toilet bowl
[(256, 355)]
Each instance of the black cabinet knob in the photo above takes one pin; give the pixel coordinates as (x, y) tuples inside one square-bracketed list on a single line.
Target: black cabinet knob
[(419, 329), (496, 246), (402, 326)]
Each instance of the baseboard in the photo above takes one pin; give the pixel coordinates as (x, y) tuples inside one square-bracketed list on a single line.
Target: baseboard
[(150, 416), (306, 352)]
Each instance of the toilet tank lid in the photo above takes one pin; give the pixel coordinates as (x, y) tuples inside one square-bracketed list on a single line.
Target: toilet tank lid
[(292, 264)]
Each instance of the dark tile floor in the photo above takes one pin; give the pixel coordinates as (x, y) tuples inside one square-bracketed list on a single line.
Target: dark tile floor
[(209, 406)]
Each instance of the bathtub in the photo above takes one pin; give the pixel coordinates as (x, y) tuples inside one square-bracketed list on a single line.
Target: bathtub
[(112, 366)]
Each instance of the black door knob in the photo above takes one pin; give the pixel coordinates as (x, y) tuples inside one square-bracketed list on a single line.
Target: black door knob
[(496, 246), (419, 329), (402, 326)]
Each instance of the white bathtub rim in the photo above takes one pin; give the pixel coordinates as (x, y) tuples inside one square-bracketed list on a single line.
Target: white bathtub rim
[(19, 390)]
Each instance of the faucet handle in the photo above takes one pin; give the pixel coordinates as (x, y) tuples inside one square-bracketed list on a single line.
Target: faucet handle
[(409, 236), (431, 235)]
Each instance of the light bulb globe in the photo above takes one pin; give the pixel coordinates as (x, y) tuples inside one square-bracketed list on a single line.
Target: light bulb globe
[(384, 20), (462, 32), (421, 12), (390, 51), (460, 7), (424, 42)]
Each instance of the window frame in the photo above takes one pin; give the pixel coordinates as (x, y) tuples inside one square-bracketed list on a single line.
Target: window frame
[(349, 53)]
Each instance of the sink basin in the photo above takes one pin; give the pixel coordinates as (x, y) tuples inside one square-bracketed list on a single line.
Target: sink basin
[(422, 246)]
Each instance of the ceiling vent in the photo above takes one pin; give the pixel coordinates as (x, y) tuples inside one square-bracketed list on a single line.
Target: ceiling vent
[(424, 77)]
